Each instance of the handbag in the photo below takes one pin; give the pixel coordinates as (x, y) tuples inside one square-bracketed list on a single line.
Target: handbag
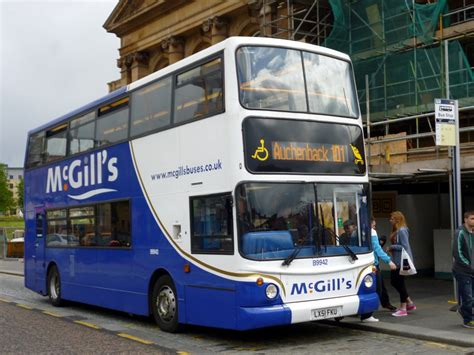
[(407, 267)]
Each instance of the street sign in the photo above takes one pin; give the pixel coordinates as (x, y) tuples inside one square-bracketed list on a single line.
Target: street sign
[(446, 116)]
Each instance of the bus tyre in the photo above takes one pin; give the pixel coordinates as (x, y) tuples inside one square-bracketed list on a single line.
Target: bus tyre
[(165, 304), (54, 287)]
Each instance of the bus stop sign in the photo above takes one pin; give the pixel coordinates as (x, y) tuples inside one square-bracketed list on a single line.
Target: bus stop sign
[(445, 118)]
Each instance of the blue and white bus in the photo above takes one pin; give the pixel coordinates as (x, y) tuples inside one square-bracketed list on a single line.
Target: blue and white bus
[(212, 192)]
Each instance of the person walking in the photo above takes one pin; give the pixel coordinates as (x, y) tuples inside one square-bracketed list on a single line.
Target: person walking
[(400, 240), (379, 254), (384, 298), (463, 268)]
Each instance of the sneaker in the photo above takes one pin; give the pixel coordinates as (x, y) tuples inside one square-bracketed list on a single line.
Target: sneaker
[(469, 324), (411, 307), (390, 307), (400, 313), (371, 319)]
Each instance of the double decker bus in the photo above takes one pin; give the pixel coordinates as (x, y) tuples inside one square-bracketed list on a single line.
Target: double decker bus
[(213, 192)]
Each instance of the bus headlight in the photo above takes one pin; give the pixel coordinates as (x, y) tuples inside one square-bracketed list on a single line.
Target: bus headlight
[(271, 291), (368, 281)]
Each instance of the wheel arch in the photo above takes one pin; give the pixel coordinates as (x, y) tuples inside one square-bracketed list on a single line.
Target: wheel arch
[(51, 264), (154, 277)]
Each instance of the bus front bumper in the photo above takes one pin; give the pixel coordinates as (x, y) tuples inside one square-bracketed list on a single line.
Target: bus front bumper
[(299, 312)]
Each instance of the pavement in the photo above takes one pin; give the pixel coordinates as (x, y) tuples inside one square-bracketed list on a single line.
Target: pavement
[(12, 266), (432, 321)]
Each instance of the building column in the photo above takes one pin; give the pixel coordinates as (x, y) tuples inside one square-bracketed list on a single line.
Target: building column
[(125, 75), (263, 12), (217, 28), (282, 28), (139, 65), (175, 48)]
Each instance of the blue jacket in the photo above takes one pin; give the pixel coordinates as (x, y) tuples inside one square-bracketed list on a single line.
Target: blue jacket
[(401, 242), (378, 251)]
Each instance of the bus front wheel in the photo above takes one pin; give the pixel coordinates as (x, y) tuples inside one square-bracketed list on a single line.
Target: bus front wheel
[(165, 304), (54, 287)]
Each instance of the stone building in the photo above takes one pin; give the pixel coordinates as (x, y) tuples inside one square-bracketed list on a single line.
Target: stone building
[(405, 54), (14, 176), (156, 33)]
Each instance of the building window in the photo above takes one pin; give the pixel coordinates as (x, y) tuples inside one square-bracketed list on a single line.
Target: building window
[(211, 224)]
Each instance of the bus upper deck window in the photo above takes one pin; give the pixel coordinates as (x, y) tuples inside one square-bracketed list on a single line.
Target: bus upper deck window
[(199, 91), (151, 109), (112, 123), (81, 133), (35, 148), (56, 142)]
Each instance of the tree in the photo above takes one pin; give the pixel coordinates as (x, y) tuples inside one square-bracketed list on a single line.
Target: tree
[(6, 196), (20, 193)]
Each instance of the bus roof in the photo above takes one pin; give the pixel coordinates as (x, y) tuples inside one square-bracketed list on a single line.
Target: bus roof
[(84, 109), (232, 42)]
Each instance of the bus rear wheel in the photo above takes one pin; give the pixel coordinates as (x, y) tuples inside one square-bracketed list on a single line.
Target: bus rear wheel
[(165, 304), (54, 287)]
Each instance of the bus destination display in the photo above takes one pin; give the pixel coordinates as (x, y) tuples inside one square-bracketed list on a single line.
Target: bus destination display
[(306, 147)]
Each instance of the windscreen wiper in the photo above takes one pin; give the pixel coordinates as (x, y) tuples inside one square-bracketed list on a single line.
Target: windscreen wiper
[(297, 249), (344, 245), (293, 255), (349, 250)]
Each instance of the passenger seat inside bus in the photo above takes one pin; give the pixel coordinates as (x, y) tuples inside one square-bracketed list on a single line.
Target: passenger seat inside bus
[(266, 241)]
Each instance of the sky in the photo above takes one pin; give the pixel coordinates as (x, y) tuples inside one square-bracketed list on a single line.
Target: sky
[(55, 56)]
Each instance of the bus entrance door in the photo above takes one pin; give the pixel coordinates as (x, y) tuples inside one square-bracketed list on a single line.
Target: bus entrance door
[(38, 251)]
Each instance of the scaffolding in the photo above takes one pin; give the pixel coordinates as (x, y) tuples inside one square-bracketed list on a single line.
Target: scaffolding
[(301, 20), (397, 44)]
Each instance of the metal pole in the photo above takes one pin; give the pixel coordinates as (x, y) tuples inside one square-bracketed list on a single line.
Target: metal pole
[(451, 176), (415, 60), (457, 172), (368, 159), (367, 116), (289, 9), (455, 176)]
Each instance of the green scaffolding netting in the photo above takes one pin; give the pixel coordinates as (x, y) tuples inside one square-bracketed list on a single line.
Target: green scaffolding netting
[(392, 42)]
